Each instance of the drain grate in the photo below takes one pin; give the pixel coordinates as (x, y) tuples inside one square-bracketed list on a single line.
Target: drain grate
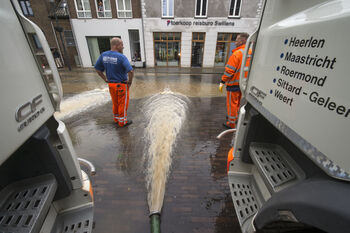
[(26, 204), (244, 200), (271, 162)]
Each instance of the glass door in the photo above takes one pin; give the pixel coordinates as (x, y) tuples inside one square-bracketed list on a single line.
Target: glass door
[(161, 54), (197, 49), (173, 54)]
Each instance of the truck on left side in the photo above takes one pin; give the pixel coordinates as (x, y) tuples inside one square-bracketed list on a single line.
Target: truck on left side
[(42, 187)]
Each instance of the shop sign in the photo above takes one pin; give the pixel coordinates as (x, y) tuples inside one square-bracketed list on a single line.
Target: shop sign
[(215, 23)]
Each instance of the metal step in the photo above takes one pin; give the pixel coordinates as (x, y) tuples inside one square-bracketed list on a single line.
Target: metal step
[(24, 204), (246, 203), (75, 221), (275, 165), (245, 193)]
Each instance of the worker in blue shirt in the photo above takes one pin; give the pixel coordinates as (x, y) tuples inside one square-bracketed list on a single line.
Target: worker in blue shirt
[(119, 78)]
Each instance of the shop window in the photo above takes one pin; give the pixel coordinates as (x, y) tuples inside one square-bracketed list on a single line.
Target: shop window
[(68, 36), (135, 48), (167, 8), (201, 8), (167, 47), (98, 45), (124, 9), (224, 46), (103, 8), (83, 8), (235, 8), (26, 7)]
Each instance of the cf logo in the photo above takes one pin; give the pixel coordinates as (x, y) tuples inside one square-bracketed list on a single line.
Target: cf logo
[(258, 94), (28, 108)]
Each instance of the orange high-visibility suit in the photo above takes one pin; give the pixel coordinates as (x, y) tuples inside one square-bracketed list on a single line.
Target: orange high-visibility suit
[(120, 99), (231, 79)]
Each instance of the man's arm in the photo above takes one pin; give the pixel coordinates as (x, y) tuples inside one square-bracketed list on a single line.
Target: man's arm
[(130, 77), (102, 75), (231, 68)]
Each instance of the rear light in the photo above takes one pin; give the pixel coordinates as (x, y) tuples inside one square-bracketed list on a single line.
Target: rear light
[(230, 157)]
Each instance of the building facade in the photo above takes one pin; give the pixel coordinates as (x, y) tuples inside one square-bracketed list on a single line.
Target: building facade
[(95, 22), (52, 17), (196, 33)]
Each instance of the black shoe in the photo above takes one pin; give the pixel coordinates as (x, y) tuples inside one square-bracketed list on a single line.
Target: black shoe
[(129, 123), (227, 126)]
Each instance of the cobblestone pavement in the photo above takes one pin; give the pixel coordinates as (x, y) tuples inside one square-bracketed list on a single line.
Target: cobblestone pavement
[(197, 196)]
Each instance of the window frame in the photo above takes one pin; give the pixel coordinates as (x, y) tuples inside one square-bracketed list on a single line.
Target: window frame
[(201, 9), (167, 40), (167, 16), (234, 9), (27, 7), (104, 10), (124, 11), (83, 11)]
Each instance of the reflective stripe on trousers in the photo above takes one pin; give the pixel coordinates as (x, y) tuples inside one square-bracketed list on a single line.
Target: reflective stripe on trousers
[(232, 103), (120, 98)]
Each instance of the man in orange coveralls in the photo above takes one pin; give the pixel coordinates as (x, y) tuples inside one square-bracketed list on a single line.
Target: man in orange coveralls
[(230, 78), (119, 78)]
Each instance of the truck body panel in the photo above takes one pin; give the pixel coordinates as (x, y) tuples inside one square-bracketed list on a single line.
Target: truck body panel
[(42, 186), (291, 167), (23, 94), (300, 65)]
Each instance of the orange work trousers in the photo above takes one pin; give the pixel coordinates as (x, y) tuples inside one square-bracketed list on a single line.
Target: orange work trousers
[(232, 103), (120, 99)]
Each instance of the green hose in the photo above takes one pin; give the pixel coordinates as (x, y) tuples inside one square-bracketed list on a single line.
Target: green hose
[(155, 223)]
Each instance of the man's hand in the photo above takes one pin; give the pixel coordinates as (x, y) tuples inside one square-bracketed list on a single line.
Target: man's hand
[(102, 75), (130, 77), (221, 86)]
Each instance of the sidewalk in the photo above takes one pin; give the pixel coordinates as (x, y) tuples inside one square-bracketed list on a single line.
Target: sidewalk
[(171, 70)]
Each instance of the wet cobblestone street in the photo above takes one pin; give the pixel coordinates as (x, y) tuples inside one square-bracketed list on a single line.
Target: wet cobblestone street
[(197, 196)]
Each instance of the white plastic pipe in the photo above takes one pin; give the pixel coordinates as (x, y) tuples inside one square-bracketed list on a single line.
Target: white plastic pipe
[(89, 164), (225, 132)]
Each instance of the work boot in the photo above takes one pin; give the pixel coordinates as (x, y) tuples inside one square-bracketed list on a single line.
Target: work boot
[(227, 126), (129, 123)]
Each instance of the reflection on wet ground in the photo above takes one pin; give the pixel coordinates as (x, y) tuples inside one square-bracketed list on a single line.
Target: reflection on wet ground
[(146, 84), (197, 196)]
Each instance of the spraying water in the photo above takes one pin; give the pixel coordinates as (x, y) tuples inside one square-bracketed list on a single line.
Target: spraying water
[(83, 102), (165, 113)]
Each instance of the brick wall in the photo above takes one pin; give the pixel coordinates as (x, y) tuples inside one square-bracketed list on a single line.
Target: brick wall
[(41, 9)]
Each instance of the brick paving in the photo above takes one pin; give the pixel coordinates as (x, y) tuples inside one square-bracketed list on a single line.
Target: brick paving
[(197, 197)]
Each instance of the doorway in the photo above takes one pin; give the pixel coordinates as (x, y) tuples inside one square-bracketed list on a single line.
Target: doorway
[(198, 39), (98, 45)]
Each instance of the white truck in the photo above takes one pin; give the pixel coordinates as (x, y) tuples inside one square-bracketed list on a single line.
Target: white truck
[(42, 188), (289, 168)]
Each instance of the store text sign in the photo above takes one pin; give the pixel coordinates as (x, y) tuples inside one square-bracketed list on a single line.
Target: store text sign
[(199, 23)]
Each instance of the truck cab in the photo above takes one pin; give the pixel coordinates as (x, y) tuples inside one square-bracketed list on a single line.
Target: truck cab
[(42, 187), (289, 169)]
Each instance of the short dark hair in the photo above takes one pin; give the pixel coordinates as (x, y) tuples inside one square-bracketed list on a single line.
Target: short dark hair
[(244, 35)]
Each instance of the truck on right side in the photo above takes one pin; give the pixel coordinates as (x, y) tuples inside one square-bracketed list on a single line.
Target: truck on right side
[(289, 167)]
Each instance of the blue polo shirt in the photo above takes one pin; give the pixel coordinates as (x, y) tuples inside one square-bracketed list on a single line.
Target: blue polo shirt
[(115, 64)]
